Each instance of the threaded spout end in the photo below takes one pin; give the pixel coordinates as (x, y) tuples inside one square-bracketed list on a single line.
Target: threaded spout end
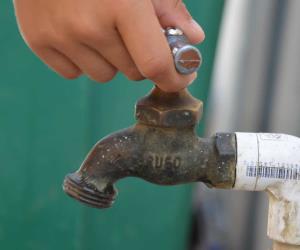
[(75, 186)]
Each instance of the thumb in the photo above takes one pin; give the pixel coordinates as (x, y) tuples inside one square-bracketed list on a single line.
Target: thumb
[(178, 16)]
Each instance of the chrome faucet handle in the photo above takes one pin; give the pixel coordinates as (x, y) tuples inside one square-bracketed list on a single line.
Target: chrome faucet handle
[(187, 58)]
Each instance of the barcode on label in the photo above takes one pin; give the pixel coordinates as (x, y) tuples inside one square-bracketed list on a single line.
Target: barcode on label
[(280, 172)]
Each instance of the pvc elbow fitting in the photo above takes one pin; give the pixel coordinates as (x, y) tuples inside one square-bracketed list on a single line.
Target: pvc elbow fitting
[(271, 162)]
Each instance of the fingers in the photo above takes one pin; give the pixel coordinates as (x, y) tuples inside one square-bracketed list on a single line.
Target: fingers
[(114, 51), (59, 62), (175, 14), (148, 47), (100, 38), (90, 62)]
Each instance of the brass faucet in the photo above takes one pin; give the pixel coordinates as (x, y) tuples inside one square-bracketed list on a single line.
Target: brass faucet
[(162, 148)]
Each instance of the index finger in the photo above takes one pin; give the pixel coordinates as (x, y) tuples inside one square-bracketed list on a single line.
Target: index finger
[(142, 34)]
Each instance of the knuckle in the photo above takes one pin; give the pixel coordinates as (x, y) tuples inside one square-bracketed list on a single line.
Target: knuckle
[(83, 31), (121, 4), (154, 67), (103, 77), (88, 33), (133, 74), (70, 74), (80, 29), (121, 8), (38, 40)]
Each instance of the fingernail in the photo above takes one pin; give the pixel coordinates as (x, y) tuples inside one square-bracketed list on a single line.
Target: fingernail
[(197, 28), (192, 80)]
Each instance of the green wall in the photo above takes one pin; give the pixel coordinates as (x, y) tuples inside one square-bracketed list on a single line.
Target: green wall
[(47, 125)]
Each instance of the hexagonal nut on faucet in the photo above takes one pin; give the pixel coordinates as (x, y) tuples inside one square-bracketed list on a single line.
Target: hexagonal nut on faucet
[(161, 109)]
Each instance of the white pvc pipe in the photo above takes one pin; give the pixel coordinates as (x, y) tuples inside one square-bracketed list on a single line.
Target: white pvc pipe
[(271, 162)]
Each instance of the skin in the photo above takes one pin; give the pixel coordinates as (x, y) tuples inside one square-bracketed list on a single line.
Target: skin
[(98, 38)]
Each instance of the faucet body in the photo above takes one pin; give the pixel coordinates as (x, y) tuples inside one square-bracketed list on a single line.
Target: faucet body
[(161, 148)]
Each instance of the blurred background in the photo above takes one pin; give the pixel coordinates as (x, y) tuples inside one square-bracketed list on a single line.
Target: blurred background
[(249, 81)]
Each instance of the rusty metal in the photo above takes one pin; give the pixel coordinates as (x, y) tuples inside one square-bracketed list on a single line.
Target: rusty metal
[(161, 148)]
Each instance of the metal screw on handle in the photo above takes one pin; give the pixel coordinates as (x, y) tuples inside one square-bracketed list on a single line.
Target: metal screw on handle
[(187, 58)]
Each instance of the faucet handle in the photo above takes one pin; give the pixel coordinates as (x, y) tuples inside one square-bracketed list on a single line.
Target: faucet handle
[(187, 58), (177, 109)]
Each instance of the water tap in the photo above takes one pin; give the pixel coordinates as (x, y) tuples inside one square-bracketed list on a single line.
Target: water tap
[(162, 147)]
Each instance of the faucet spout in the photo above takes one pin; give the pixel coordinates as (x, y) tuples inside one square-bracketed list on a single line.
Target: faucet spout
[(162, 148)]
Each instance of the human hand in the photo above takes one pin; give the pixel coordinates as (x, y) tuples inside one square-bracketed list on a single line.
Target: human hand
[(101, 37)]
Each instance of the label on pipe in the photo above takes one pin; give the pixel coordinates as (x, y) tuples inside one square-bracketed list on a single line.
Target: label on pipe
[(266, 159)]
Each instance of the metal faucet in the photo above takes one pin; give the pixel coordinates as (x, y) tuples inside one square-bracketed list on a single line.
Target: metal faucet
[(161, 148)]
